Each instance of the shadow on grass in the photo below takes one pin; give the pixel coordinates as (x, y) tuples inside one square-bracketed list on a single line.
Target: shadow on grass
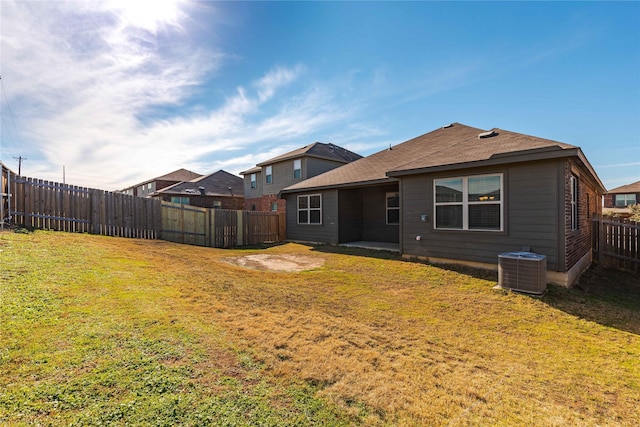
[(477, 273), (348, 250), (603, 295), (257, 246)]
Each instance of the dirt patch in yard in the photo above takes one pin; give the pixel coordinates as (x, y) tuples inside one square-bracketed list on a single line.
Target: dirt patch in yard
[(277, 262)]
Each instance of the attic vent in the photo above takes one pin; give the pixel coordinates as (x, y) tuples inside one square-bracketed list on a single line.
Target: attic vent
[(486, 134), (450, 125)]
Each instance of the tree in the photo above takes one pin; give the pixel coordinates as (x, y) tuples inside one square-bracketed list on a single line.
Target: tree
[(635, 213)]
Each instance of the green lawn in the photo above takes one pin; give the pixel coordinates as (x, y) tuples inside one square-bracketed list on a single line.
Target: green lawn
[(108, 331)]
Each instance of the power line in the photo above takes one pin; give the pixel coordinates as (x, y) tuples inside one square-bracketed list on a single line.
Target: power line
[(20, 159), (6, 99)]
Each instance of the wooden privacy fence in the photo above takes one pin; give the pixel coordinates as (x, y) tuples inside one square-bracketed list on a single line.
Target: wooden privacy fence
[(40, 204), (615, 242), (220, 228)]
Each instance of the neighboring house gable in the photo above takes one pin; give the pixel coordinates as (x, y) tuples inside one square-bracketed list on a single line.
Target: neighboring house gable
[(264, 182), (146, 188), (619, 199), (220, 190), (461, 194)]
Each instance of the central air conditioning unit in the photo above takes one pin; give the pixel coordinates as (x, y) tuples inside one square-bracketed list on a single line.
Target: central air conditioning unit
[(523, 272)]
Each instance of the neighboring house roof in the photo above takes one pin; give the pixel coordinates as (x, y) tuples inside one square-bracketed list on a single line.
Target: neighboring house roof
[(319, 150), (177, 175), (451, 147), (626, 189), (219, 183), (255, 169)]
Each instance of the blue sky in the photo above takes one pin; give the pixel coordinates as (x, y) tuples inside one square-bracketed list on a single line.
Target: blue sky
[(118, 92)]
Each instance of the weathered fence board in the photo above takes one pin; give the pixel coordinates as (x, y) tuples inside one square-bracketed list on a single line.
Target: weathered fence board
[(42, 204), (219, 228), (616, 242), (183, 224)]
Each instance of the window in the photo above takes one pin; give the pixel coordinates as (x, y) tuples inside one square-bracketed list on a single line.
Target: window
[(274, 206), (573, 184), (297, 169), (310, 209), (149, 186), (217, 204), (624, 200), (253, 180), (269, 174), (393, 208), (469, 203), (181, 200)]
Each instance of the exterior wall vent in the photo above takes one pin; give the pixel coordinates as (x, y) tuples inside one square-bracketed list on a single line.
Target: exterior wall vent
[(487, 134), (523, 272)]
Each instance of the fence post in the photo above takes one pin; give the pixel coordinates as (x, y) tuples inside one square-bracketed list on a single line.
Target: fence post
[(239, 229)]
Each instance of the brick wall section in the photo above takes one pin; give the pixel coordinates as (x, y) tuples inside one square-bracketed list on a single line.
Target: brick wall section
[(263, 204), (578, 242), (608, 201)]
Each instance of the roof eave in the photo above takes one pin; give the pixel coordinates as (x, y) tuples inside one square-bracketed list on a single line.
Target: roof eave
[(507, 158), (500, 159), (338, 186)]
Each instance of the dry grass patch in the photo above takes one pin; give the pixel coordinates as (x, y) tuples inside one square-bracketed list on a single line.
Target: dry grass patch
[(361, 338)]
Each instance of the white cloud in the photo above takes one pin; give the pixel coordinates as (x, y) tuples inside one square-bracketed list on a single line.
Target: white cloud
[(86, 77)]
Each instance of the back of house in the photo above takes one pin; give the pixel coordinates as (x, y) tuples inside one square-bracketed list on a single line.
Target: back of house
[(458, 194)]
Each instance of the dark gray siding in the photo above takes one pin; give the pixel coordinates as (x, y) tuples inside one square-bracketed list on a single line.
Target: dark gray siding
[(327, 232), (532, 217), (363, 215), (283, 172), (282, 177), (315, 166), (350, 215), (374, 215), (252, 193)]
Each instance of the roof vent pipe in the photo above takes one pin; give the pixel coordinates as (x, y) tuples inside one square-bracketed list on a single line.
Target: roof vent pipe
[(486, 134), (201, 190)]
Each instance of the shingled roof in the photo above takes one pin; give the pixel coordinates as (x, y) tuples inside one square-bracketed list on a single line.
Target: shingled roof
[(625, 189), (215, 184), (450, 147), (319, 150), (178, 175)]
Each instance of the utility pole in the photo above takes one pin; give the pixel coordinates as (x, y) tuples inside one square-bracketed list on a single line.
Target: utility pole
[(20, 159)]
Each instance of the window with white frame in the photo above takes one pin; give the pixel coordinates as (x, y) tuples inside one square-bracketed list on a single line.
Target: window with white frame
[(393, 208), (274, 206), (254, 182), (624, 200), (268, 175), (573, 188), (469, 203), (217, 204), (297, 169), (310, 209)]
